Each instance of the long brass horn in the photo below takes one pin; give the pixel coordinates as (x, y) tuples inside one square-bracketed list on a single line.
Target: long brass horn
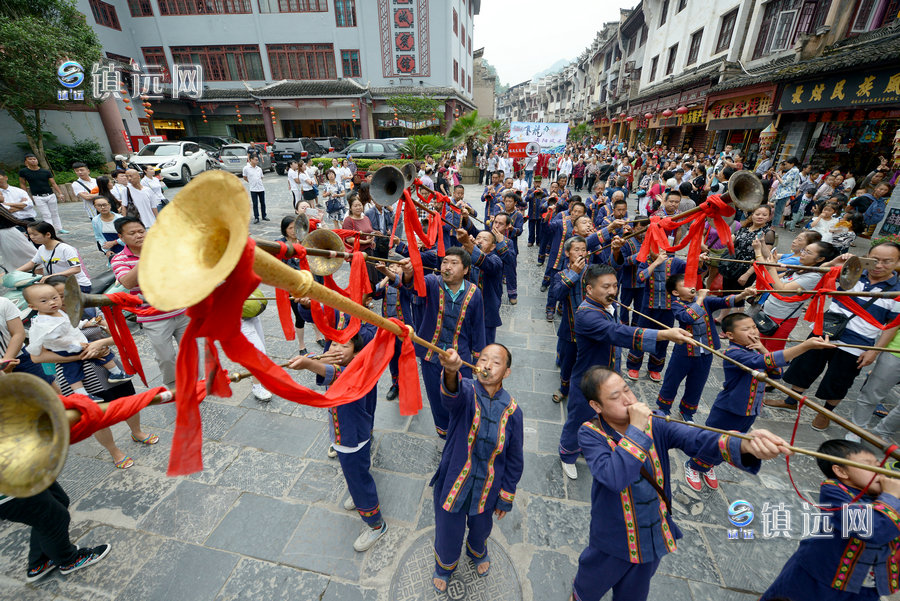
[(74, 300), (34, 435), (204, 231), (387, 185), (322, 239)]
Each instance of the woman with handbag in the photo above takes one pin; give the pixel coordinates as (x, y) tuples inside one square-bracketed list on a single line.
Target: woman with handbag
[(778, 317), (334, 194), (757, 226)]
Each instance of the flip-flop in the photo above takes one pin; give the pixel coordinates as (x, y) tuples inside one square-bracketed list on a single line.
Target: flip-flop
[(151, 439), (558, 397), (445, 580), (126, 463)]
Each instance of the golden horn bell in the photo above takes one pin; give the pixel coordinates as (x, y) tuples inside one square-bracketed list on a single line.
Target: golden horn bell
[(322, 239), (387, 185), (34, 435), (745, 191)]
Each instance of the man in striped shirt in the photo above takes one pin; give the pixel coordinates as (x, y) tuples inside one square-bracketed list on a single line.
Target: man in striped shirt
[(163, 328), (842, 365)]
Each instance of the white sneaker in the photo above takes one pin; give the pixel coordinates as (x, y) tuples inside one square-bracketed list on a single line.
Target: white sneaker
[(369, 537), (331, 452), (349, 505), (261, 393), (852, 437), (569, 470)]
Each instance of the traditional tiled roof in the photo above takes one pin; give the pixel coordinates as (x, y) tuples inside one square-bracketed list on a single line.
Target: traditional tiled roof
[(879, 46), (302, 88), (226, 94)]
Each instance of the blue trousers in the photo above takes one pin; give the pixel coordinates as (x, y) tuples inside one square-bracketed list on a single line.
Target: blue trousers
[(394, 364), (599, 572), (693, 371), (568, 351), (449, 529), (549, 274), (658, 357), (431, 375), (529, 177), (73, 371), (512, 281), (490, 335), (532, 229), (796, 583), (724, 420), (578, 411), (630, 297), (360, 483), (544, 242)]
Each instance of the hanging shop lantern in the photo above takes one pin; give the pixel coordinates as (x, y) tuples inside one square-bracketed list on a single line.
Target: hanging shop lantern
[(629, 118), (681, 110), (149, 112), (128, 108), (648, 115), (126, 100), (667, 113)]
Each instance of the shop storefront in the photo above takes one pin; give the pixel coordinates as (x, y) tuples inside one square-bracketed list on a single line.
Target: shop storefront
[(737, 117), (676, 120), (843, 120)]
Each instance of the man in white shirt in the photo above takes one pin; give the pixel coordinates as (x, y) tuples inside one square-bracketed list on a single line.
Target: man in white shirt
[(142, 197), (120, 188), (293, 175), (84, 188), (491, 167), (530, 163), (253, 175), (505, 164), (153, 183), (16, 200)]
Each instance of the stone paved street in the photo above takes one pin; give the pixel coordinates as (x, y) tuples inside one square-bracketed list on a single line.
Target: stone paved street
[(264, 519)]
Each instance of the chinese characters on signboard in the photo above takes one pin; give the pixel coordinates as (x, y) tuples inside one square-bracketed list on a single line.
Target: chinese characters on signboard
[(545, 134), (744, 106), (845, 90), (106, 80)]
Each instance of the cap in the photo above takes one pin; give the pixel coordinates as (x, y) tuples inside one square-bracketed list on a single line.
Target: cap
[(659, 142), (121, 157)]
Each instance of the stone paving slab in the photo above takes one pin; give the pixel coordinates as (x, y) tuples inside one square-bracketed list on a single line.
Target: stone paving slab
[(264, 518)]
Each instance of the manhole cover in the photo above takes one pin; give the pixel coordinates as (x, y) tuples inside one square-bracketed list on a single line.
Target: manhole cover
[(412, 581)]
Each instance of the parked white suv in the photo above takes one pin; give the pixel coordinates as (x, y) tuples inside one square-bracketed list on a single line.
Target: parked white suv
[(177, 161)]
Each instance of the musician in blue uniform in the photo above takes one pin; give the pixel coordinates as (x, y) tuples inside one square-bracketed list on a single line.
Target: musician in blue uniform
[(492, 191), (487, 273), (627, 452), (512, 202), (501, 225), (395, 302), (602, 211), (481, 464), (559, 229), (453, 220), (598, 334), (632, 288), (596, 199), (567, 290), (351, 427), (548, 210), (451, 316), (694, 312), (534, 198), (849, 559), (658, 305), (738, 403)]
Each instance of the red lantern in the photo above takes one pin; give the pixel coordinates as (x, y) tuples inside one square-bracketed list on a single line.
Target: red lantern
[(622, 114), (667, 113), (128, 108), (126, 100), (648, 115), (629, 119), (149, 112), (681, 110)]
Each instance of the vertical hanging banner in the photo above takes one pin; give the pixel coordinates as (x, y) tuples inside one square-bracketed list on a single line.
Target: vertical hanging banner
[(521, 133)]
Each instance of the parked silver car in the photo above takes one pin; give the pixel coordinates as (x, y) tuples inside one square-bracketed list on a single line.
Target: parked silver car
[(233, 157)]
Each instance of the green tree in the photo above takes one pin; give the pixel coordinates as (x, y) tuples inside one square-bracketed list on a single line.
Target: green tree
[(579, 132), (416, 109), (35, 38), (469, 129), (497, 128)]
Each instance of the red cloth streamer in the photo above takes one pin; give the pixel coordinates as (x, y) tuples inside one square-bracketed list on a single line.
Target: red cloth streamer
[(787, 460), (849, 303), (358, 287), (282, 297), (413, 231), (656, 239), (121, 335), (217, 318), (94, 419)]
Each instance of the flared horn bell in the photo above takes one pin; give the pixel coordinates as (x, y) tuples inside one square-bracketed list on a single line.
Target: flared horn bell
[(409, 173), (387, 185), (745, 191), (196, 242), (324, 240), (301, 226), (34, 435), (74, 300)]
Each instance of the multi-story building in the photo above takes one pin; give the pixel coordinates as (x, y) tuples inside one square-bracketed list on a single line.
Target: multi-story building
[(484, 86), (712, 74), (280, 68)]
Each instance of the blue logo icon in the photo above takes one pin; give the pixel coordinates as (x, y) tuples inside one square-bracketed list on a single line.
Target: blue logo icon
[(70, 74), (740, 513)]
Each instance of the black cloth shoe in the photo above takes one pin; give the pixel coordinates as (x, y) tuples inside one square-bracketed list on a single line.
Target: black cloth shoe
[(266, 219), (256, 220), (393, 393)]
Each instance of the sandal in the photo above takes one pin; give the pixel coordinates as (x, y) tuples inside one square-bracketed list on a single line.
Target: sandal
[(151, 439), (126, 463), (559, 397), (486, 559), (446, 582)]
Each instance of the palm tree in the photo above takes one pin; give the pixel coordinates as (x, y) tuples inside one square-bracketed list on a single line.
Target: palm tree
[(469, 129)]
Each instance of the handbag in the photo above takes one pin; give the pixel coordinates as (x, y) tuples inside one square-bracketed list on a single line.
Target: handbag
[(834, 324), (765, 324), (131, 209), (333, 205)]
